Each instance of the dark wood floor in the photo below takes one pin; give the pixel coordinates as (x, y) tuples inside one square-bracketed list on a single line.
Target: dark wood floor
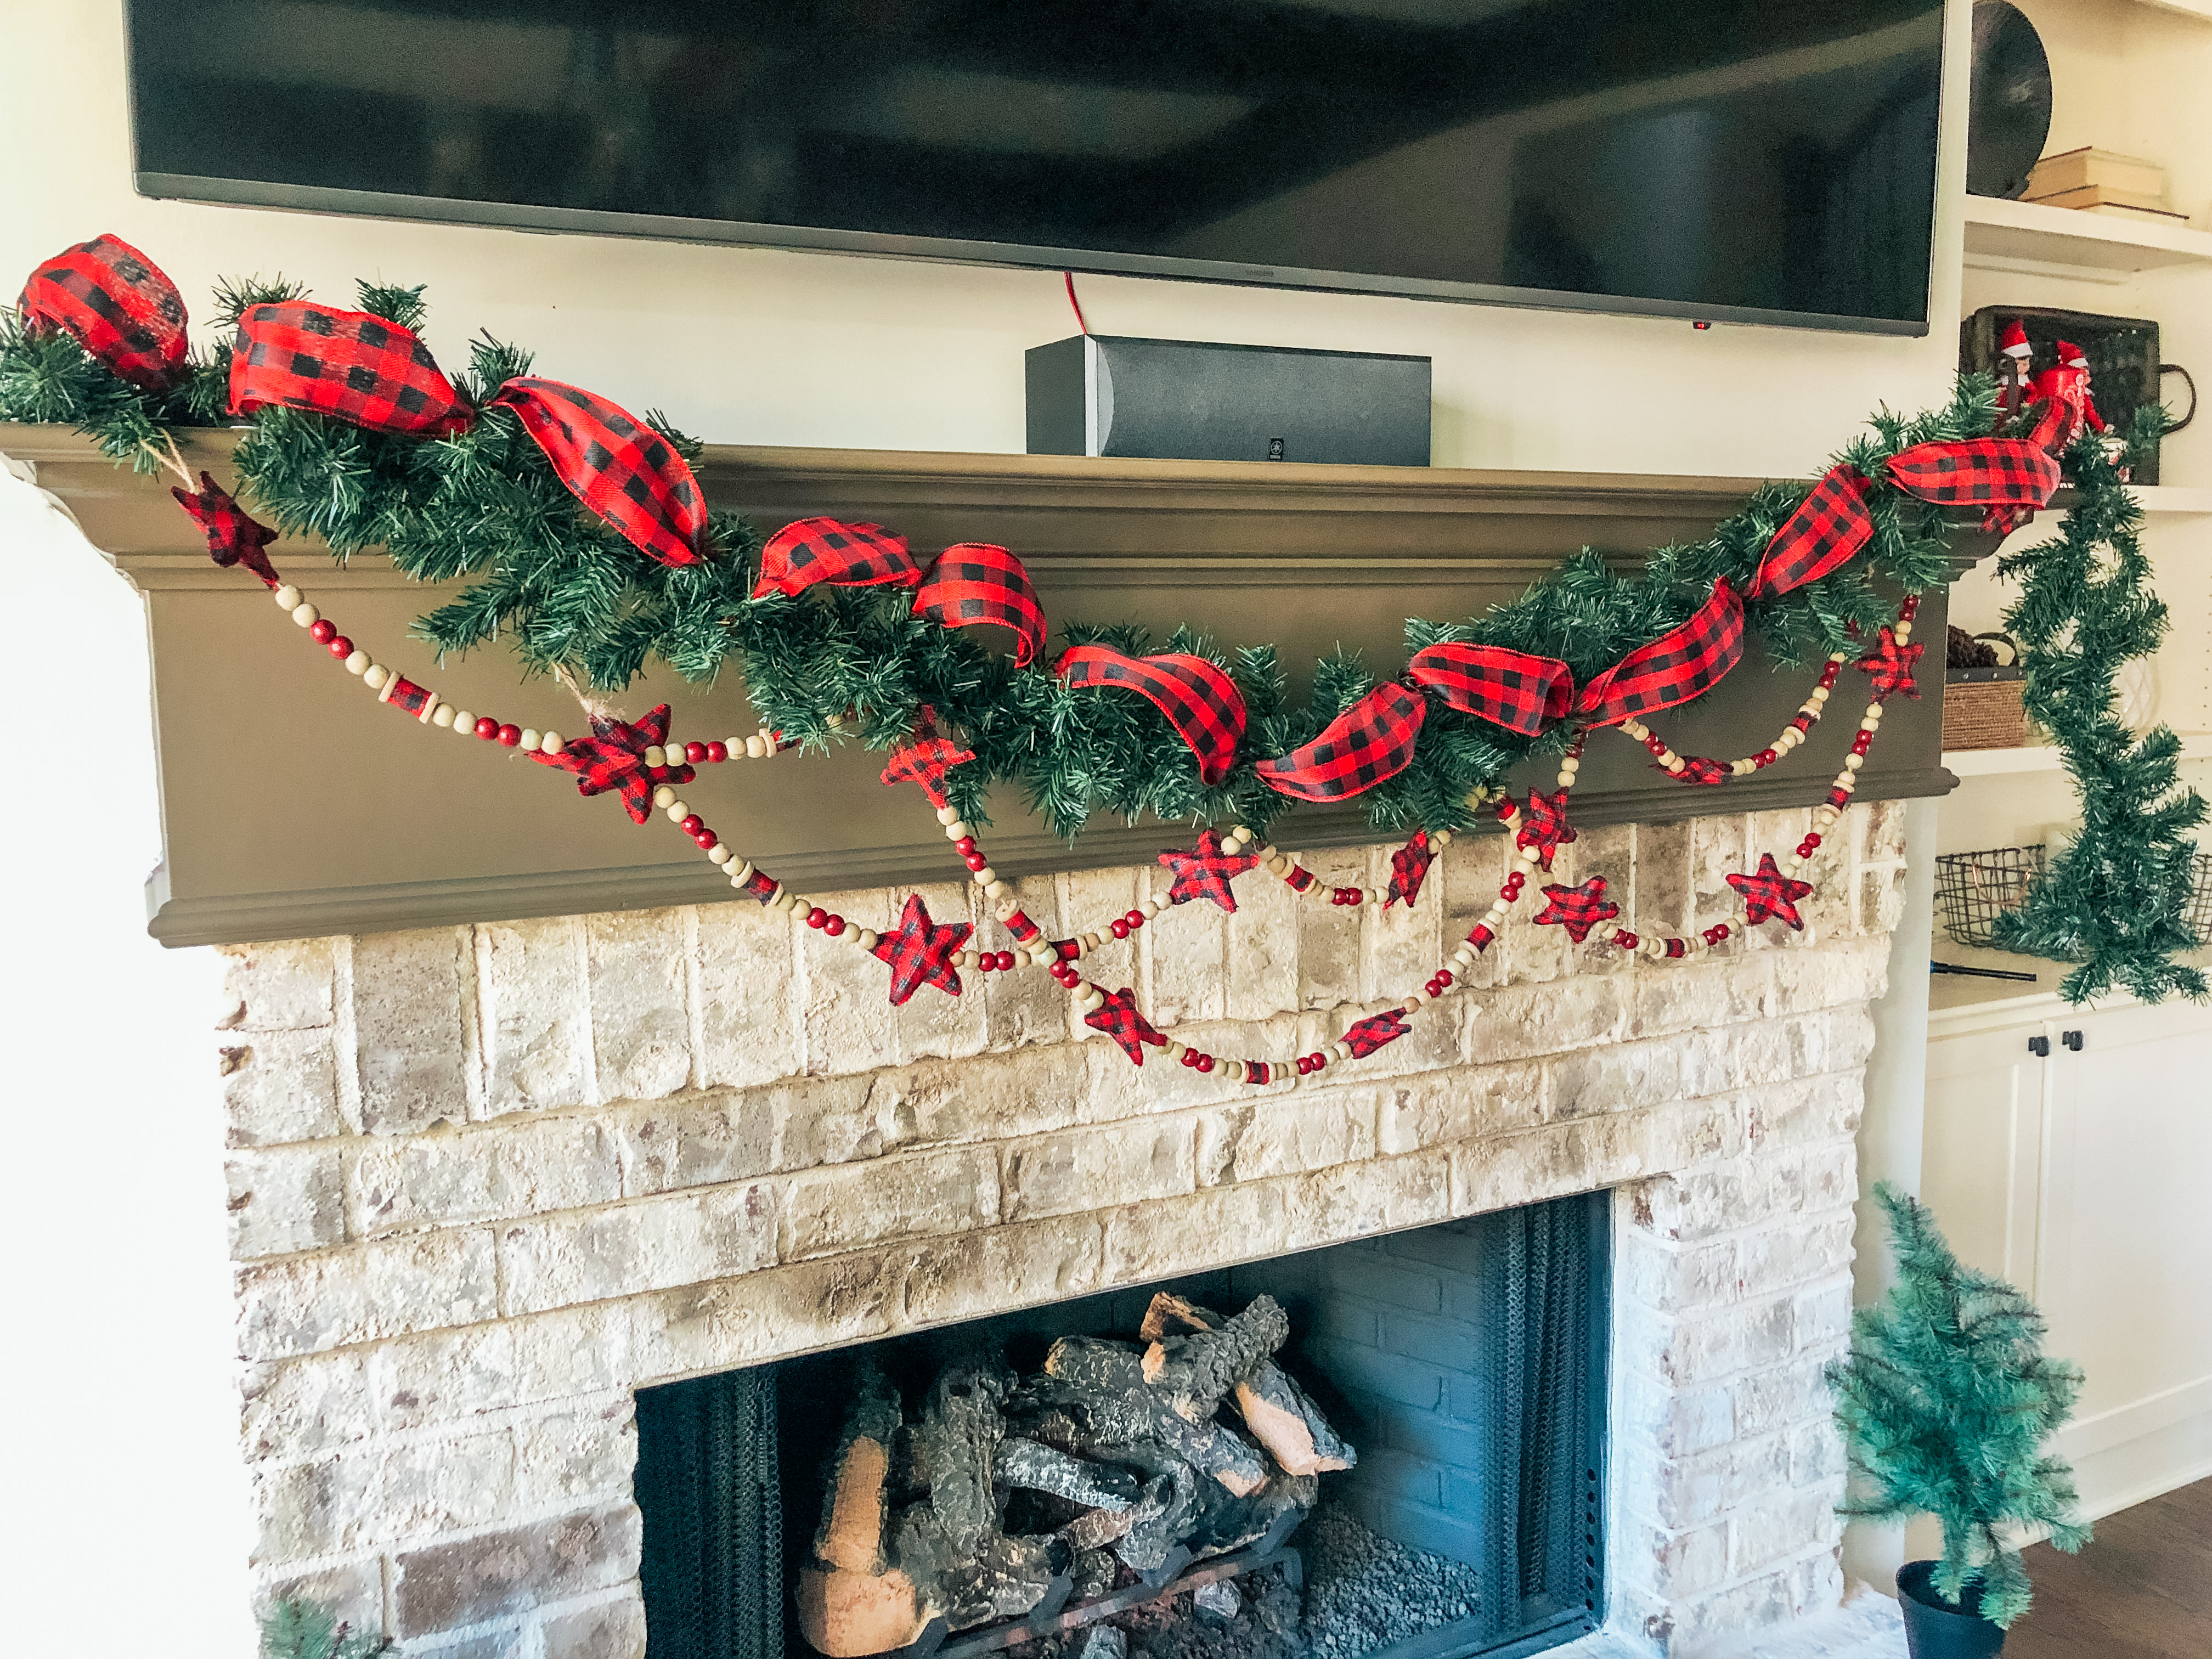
[(2143, 1590)]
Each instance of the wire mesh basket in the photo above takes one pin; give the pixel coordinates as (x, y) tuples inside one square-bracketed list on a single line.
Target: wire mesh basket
[(1972, 890)]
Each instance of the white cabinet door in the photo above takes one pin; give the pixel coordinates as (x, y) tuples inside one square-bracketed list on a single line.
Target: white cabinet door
[(1982, 1147), (2124, 1264)]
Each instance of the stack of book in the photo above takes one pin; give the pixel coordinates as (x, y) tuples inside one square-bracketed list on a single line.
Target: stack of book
[(2099, 181)]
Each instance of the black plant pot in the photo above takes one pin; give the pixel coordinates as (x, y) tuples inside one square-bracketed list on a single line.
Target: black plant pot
[(1937, 1629)]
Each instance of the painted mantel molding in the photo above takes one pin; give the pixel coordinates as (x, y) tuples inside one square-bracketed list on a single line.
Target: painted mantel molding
[(294, 807)]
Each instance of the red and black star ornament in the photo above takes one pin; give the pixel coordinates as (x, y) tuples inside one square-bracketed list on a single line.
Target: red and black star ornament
[(1118, 1017), (1770, 895), (921, 951), (925, 761), (1365, 1036), (1409, 867), (1700, 769), (1577, 909), (1890, 665), (613, 757), (1544, 824), (1204, 872), (232, 536)]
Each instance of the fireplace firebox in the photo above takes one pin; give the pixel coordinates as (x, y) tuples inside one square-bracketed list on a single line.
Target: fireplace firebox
[(1463, 1364)]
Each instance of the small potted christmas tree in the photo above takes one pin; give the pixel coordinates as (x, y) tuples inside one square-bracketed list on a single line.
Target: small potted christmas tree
[(1945, 1404)]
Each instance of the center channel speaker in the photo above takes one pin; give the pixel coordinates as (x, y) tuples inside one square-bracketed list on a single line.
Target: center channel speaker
[(1104, 394)]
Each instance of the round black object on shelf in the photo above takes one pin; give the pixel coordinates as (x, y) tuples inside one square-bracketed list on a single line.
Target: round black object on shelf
[(2009, 116)]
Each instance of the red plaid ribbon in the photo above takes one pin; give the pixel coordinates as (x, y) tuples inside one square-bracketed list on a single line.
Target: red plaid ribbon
[(1977, 471), (118, 304), (1369, 742), (232, 536), (1830, 524), (976, 582), (1200, 701), (1511, 689), (811, 551), (346, 364), (1683, 663), (617, 466)]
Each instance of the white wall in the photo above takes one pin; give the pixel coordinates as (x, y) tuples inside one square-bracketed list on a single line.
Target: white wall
[(125, 1463)]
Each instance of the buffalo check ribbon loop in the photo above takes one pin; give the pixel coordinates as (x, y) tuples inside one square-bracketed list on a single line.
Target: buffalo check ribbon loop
[(1202, 702), (1977, 472), (619, 467), (1685, 662), (1368, 743), (1830, 526), (118, 304), (348, 365), (1511, 689), (809, 550), (976, 582)]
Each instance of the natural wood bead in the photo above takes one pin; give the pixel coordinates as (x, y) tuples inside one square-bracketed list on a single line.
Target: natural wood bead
[(720, 852), (1151, 907), (1440, 838), (677, 811), (531, 739), (956, 828), (1234, 1070), (360, 663), (865, 939), (984, 877), (655, 755), (286, 597), (375, 677), (663, 796), (306, 615), (946, 814), (444, 715), (964, 959), (1341, 1050), (755, 749), (551, 744), (996, 890), (1092, 999), (1175, 1050)]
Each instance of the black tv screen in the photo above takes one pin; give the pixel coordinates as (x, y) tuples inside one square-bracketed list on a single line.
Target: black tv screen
[(1759, 161)]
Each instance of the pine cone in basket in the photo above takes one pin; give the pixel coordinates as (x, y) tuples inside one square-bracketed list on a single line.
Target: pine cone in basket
[(1962, 650)]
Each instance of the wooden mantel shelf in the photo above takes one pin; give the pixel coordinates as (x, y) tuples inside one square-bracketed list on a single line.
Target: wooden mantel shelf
[(294, 805)]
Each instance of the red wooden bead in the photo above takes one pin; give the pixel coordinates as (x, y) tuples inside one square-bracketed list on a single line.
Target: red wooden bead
[(508, 736), (718, 750), (1300, 1062), (1444, 976), (487, 728), (1005, 961), (1320, 1059), (693, 824), (1206, 1062), (975, 860), (817, 917), (341, 647), (1118, 928), (324, 631), (1625, 940), (1189, 1058), (1722, 929), (694, 753), (833, 927), (964, 846), (1767, 757), (707, 840)]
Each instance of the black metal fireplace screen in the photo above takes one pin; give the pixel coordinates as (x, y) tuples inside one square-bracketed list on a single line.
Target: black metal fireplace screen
[(1465, 1364)]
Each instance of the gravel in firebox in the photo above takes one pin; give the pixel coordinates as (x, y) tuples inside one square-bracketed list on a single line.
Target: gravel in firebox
[(1364, 1592)]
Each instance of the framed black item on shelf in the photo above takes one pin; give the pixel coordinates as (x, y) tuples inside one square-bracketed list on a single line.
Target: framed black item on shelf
[(2125, 369)]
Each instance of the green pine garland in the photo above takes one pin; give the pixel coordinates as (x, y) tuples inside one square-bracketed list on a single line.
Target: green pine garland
[(1945, 1404), (2114, 899), (573, 599)]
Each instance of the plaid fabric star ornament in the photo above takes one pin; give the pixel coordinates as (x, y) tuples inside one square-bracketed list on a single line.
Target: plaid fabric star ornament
[(1204, 872), (1365, 1036), (232, 536), (1544, 824), (613, 757), (1409, 867), (1118, 1017), (1700, 769), (1770, 895), (924, 763), (921, 951), (1890, 665), (1577, 909)]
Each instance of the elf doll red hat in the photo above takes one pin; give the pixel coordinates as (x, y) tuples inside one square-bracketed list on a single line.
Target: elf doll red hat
[(2072, 356), (2015, 341)]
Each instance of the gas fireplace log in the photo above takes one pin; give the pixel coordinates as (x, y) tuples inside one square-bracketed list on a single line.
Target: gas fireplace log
[(847, 1615), (1196, 1371), (956, 1443), (1278, 1413), (1026, 1463)]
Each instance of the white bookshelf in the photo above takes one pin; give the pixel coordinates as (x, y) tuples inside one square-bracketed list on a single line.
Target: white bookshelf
[(2035, 240), (1992, 762)]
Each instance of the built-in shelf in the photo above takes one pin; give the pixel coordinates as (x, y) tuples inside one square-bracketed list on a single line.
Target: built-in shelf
[(2172, 498), (2004, 235), (1989, 762), (2202, 9)]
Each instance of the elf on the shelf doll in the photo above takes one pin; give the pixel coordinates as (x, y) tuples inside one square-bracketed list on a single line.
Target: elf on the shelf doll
[(2013, 371), (2064, 390)]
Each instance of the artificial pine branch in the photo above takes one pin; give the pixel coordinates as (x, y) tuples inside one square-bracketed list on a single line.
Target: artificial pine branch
[(2114, 900), (1944, 1404)]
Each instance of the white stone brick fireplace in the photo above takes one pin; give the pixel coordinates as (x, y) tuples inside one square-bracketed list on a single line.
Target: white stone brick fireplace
[(486, 1182)]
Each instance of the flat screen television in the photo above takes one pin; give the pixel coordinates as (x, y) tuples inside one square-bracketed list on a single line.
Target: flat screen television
[(1751, 160)]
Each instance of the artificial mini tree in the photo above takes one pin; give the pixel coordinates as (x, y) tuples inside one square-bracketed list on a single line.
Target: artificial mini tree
[(1945, 1404)]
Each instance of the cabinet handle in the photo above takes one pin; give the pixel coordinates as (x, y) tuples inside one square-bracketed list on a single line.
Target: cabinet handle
[(2072, 1039), (2040, 1047)]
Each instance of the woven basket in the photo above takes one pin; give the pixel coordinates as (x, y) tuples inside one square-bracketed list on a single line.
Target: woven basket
[(1981, 706)]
